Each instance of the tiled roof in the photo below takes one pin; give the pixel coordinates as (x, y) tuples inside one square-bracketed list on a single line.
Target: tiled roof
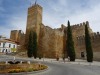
[(8, 40)]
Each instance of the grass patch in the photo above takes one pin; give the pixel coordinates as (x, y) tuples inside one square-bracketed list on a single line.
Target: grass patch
[(17, 68)]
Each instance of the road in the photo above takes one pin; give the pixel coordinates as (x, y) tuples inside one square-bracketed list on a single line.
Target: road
[(58, 68), (70, 69)]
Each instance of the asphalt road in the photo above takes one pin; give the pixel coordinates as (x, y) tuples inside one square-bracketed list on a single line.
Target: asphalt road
[(56, 68), (70, 69)]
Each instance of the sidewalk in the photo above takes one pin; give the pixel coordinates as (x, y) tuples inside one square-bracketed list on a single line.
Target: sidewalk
[(77, 61)]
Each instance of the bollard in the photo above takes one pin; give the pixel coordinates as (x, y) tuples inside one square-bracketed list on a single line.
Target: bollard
[(39, 64), (6, 62), (28, 62)]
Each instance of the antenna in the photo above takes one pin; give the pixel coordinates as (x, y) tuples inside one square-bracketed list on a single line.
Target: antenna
[(30, 3), (35, 2)]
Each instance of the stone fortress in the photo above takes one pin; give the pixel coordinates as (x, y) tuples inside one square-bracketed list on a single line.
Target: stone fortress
[(52, 42)]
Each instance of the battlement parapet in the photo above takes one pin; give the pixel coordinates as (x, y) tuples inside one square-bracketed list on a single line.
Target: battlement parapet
[(14, 30), (94, 36), (35, 5), (63, 26), (96, 33), (17, 31), (80, 25)]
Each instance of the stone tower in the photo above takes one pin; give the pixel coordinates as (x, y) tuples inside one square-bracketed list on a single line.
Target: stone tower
[(34, 19), (18, 36), (14, 35)]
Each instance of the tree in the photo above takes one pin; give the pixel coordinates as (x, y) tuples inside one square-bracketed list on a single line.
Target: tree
[(29, 48), (32, 45), (70, 44), (89, 50)]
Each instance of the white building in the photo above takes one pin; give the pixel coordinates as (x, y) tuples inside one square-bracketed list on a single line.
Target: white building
[(7, 46)]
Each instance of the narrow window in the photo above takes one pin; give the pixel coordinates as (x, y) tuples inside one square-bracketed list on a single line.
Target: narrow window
[(3, 45), (13, 46), (9, 45)]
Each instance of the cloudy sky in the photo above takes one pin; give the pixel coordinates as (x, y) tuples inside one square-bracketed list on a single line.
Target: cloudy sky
[(13, 13)]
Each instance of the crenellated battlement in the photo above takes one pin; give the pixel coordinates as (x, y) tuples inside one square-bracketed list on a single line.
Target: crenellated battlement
[(35, 5), (96, 34), (80, 25), (94, 37)]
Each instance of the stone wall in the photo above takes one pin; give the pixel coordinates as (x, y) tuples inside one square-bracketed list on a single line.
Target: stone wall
[(51, 42), (95, 38)]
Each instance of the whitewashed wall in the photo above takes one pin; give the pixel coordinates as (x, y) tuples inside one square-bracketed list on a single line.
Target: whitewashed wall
[(6, 47)]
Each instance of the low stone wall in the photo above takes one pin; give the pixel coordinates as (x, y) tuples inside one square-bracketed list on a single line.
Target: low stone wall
[(97, 56)]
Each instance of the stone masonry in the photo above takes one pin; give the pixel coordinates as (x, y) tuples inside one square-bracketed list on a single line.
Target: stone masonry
[(18, 36)]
